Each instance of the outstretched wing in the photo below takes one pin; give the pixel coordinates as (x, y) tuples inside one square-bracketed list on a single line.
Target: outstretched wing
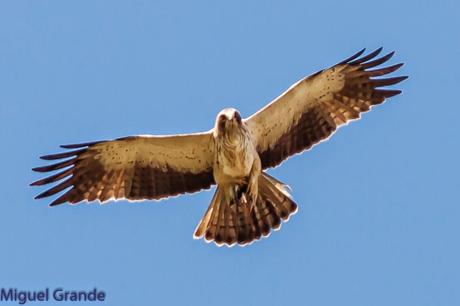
[(313, 108), (135, 168)]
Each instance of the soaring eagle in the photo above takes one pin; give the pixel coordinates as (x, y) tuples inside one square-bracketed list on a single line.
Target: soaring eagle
[(248, 203)]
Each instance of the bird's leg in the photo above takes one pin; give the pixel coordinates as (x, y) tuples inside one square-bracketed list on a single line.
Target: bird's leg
[(240, 191), (232, 195)]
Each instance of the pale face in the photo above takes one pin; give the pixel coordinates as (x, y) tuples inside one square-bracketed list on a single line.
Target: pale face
[(227, 119)]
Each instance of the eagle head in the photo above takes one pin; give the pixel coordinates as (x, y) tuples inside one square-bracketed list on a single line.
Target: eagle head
[(227, 120)]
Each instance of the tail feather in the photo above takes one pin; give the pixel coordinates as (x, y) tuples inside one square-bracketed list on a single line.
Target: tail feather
[(276, 189), (230, 222), (205, 221)]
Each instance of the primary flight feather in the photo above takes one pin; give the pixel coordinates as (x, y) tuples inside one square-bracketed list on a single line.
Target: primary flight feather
[(248, 203)]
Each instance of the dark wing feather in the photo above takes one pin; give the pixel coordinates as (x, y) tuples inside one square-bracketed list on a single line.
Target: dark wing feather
[(135, 168), (313, 108)]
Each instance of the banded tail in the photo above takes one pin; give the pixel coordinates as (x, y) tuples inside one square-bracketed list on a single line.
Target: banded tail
[(230, 223)]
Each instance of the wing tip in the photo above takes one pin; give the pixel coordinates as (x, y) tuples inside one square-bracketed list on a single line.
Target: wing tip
[(389, 55), (56, 203), (397, 66), (355, 59), (377, 51), (392, 93), (80, 145), (403, 77), (47, 157), (354, 56), (60, 200), (40, 196), (366, 57), (63, 154), (36, 183)]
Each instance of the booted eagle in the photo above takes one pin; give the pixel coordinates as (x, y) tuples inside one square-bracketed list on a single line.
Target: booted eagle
[(248, 203)]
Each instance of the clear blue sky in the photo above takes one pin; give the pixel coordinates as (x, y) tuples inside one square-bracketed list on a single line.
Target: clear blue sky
[(379, 209)]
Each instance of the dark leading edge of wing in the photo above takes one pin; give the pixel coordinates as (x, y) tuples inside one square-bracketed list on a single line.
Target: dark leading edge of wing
[(360, 92)]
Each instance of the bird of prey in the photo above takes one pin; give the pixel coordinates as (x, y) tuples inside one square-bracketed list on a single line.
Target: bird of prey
[(248, 203)]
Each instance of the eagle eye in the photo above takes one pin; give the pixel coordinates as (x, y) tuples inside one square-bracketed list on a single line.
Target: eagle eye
[(221, 121), (238, 117)]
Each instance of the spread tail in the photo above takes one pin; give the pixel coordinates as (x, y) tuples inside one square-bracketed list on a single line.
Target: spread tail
[(229, 222)]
